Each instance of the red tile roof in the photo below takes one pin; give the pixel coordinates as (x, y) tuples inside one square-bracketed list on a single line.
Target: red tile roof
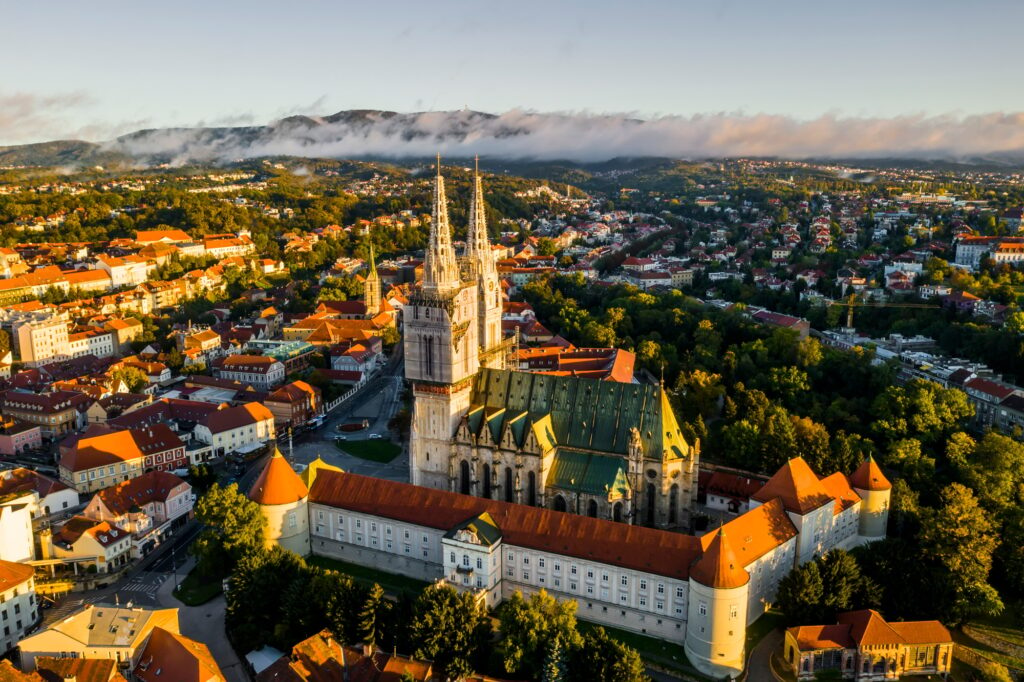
[(237, 417), (277, 483), (170, 656), (797, 486), (618, 544), (869, 476), (718, 566)]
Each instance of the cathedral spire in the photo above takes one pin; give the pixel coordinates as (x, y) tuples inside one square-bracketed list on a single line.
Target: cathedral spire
[(440, 271), (477, 246)]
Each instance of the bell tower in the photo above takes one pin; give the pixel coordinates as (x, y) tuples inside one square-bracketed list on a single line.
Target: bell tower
[(371, 288), (482, 264), (441, 350)]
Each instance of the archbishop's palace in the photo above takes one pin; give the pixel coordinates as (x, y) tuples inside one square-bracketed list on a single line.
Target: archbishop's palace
[(523, 482)]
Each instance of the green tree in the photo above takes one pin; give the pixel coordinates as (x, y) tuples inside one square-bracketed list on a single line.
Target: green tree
[(995, 470), (133, 377), (233, 527), (450, 629), (990, 671), (258, 579), (602, 658), (373, 616), (801, 593), (554, 664), (921, 409), (529, 627), (960, 537)]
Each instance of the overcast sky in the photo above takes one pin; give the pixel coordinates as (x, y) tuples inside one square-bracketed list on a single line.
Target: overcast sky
[(92, 70)]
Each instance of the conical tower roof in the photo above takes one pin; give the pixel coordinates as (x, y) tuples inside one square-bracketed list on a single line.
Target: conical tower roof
[(798, 486), (277, 483), (718, 566), (869, 476)]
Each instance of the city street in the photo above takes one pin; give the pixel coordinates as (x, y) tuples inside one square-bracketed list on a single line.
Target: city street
[(378, 401)]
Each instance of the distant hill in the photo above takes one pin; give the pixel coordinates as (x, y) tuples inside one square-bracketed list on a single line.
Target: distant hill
[(520, 136)]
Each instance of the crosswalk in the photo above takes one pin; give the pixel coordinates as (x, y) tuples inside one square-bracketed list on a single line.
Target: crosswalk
[(144, 588)]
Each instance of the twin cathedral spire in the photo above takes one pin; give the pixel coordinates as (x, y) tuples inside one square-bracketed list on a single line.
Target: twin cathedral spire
[(441, 269)]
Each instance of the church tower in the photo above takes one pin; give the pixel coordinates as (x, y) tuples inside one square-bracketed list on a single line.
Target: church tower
[(371, 289), (482, 264), (441, 351)]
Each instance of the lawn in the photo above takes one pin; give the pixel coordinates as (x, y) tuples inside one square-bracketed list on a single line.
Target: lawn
[(389, 581), (654, 651), (373, 450), (194, 590)]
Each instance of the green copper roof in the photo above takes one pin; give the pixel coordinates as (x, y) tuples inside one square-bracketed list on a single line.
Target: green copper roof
[(587, 473), (483, 526), (586, 414)]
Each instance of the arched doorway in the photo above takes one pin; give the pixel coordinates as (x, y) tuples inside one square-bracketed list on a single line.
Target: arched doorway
[(673, 503), (464, 477), (531, 489), (509, 492), (559, 503), (650, 502), (487, 481), (617, 512), (592, 509)]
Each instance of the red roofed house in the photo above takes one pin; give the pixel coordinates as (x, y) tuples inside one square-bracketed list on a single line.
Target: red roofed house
[(237, 429), (87, 543), (100, 461), (293, 404), (863, 646), (146, 507), (261, 371)]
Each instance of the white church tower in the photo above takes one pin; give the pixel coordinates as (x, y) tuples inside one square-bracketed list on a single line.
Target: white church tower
[(484, 268), (441, 350)]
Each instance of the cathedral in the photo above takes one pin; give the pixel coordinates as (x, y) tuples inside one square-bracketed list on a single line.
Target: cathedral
[(603, 449)]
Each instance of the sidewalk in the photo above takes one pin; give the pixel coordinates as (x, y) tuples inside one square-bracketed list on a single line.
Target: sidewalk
[(205, 624)]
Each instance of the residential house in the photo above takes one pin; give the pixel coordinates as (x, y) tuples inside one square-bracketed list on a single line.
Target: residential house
[(19, 609), (56, 413), (18, 437), (96, 546), (259, 370), (51, 496), (104, 631), (293, 404), (147, 507), (102, 460), (237, 429)]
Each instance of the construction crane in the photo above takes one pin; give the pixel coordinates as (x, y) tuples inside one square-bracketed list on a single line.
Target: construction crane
[(851, 302)]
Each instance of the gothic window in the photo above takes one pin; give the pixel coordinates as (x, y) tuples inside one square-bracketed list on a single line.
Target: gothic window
[(487, 481), (531, 489), (673, 503), (464, 476), (560, 503), (592, 509), (509, 492), (650, 501)]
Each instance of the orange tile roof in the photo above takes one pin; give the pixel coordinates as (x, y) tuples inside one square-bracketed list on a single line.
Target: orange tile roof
[(8, 673), (237, 417), (170, 656), (869, 476), (838, 487), (109, 448), (152, 486), (868, 628), (277, 483), (81, 669), (718, 566), (617, 544), (797, 486), (814, 637), (759, 531), (12, 574)]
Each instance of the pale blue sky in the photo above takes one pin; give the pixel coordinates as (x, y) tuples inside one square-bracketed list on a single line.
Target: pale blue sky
[(92, 69)]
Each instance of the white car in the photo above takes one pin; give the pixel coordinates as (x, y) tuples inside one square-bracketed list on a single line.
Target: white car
[(375, 436)]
